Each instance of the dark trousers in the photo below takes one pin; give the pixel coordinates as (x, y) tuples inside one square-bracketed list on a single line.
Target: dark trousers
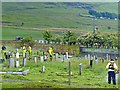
[(111, 74)]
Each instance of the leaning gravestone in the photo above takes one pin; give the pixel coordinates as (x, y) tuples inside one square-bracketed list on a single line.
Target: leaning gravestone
[(24, 61), (17, 64), (11, 62)]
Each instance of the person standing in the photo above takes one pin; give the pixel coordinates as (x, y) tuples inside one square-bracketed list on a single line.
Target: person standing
[(3, 51), (50, 51), (29, 51), (112, 68)]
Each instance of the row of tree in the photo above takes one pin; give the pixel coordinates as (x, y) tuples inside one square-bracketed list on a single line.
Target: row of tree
[(103, 14), (91, 39)]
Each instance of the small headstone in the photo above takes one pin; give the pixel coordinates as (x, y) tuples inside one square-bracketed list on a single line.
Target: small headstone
[(17, 64), (11, 62), (43, 69), (35, 59), (24, 61)]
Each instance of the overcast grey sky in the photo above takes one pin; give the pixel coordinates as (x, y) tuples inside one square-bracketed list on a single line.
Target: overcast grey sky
[(60, 0)]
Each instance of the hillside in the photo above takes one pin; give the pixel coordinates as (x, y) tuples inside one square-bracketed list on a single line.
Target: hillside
[(73, 16)]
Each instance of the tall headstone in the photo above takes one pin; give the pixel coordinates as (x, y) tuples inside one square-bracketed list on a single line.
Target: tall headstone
[(24, 61), (66, 55), (11, 62), (17, 63), (41, 58), (88, 56), (107, 56), (35, 59), (56, 56), (17, 55), (85, 56), (13, 55)]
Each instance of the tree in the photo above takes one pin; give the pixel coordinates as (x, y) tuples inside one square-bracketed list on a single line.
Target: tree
[(27, 41), (47, 35)]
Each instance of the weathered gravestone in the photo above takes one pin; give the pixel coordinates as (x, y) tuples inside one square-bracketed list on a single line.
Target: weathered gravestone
[(11, 62)]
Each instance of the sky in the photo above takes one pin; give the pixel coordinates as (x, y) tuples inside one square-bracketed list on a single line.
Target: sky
[(60, 0)]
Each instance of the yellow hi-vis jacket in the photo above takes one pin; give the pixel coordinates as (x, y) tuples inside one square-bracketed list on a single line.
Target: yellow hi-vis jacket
[(50, 51), (111, 67), (3, 53), (29, 50), (24, 49)]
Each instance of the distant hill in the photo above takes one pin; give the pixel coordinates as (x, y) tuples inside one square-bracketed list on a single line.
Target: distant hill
[(72, 15)]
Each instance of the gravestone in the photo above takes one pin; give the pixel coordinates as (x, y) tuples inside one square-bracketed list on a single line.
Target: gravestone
[(17, 55), (13, 55), (80, 68), (85, 56), (24, 61), (63, 58), (43, 69), (88, 56), (66, 55), (107, 56), (41, 58), (35, 59), (17, 64), (11, 62), (56, 56), (96, 60)]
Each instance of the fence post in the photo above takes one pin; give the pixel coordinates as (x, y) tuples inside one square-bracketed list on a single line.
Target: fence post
[(80, 68), (91, 61), (69, 77)]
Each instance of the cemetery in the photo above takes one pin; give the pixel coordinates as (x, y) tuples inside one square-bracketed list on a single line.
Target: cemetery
[(59, 45), (65, 70)]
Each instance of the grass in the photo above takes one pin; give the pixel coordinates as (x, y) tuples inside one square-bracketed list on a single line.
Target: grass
[(56, 75)]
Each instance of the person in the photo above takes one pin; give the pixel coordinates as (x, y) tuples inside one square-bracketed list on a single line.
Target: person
[(29, 51), (24, 51), (3, 51), (112, 68), (50, 51)]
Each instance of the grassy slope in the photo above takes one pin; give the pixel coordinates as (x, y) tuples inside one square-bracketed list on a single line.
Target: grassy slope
[(60, 16)]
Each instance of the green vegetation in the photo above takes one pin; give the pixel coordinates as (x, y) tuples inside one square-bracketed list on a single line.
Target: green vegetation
[(33, 18)]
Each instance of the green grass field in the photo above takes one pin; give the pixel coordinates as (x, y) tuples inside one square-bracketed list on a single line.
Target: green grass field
[(59, 15), (56, 75)]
